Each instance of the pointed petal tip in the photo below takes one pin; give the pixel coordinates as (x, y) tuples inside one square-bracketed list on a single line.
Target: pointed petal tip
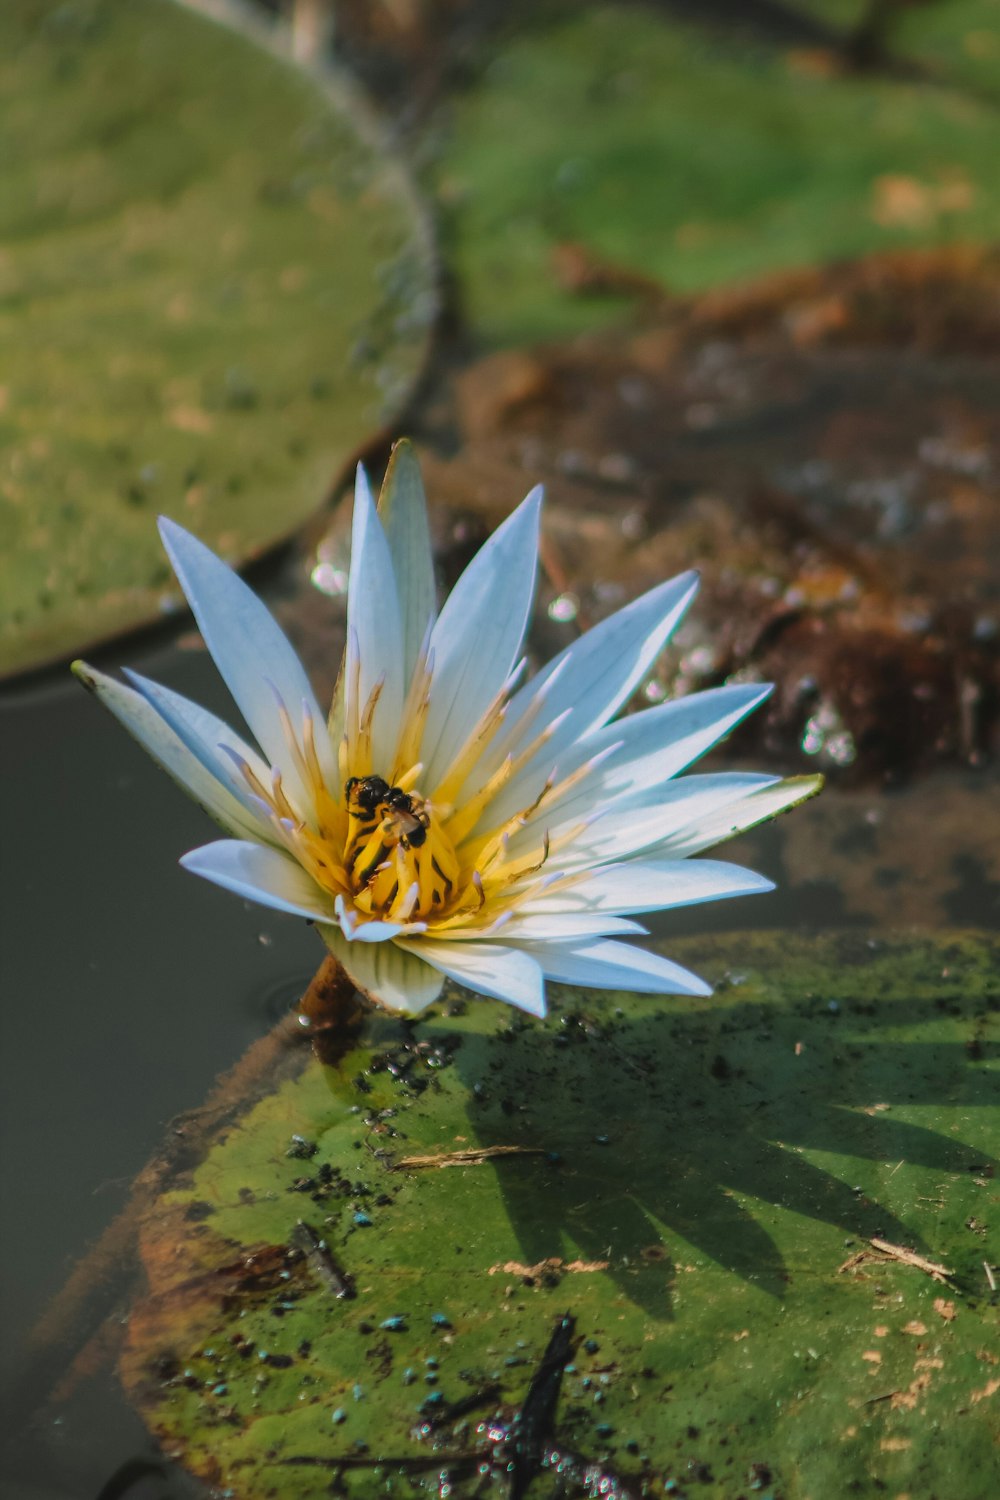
[(700, 988), (362, 486), (84, 673), (756, 692), (804, 788), (811, 785), (171, 531), (180, 545)]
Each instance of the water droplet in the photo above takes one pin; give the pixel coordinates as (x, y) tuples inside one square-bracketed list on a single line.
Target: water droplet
[(330, 580), (564, 608)]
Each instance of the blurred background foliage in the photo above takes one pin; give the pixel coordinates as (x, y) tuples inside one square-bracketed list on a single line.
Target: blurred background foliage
[(573, 145), (216, 281)]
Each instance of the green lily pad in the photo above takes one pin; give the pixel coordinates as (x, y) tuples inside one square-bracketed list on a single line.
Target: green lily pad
[(696, 1183), (213, 287), (692, 156), (954, 41)]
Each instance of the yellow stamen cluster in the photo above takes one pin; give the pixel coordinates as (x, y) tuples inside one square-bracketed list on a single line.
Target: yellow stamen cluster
[(396, 856)]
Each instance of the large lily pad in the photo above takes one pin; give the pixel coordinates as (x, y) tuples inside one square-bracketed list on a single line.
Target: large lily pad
[(647, 147), (951, 41), (696, 1183), (213, 287)]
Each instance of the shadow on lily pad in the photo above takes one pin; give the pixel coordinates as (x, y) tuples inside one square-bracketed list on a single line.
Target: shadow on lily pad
[(370, 1261)]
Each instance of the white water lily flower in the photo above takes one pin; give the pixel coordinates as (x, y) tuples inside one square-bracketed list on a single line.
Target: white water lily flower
[(447, 821)]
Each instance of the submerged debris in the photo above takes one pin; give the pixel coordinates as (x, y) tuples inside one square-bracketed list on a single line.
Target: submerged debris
[(827, 451), (321, 1261)]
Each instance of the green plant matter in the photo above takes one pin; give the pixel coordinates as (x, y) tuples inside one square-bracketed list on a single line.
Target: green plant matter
[(697, 1182), (953, 42), (212, 285), (694, 156)]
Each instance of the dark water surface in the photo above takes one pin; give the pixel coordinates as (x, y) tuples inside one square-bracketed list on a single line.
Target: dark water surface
[(129, 985)]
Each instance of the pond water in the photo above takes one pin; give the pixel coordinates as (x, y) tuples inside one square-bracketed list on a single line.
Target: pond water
[(129, 986), (146, 994)]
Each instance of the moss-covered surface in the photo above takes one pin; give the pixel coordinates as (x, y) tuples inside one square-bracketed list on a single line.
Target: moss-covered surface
[(698, 155), (954, 41), (695, 1175), (212, 289)]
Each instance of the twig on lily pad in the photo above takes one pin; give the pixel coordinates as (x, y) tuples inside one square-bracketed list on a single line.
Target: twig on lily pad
[(883, 1250), (471, 1158)]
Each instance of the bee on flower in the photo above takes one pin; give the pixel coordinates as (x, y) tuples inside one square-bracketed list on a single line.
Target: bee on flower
[(449, 818)]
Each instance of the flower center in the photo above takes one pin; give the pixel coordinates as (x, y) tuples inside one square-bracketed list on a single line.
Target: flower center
[(398, 860)]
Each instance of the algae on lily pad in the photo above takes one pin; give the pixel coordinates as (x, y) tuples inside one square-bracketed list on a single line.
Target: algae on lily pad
[(608, 148), (213, 285), (764, 1215)]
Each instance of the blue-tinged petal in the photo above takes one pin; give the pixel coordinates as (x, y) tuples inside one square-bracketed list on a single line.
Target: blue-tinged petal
[(649, 885), (252, 653), (145, 724), (595, 675), (386, 974), (638, 753), (636, 826), (402, 508), (261, 874), (478, 635), (358, 930), (660, 742), (560, 926), (383, 932), (615, 966), (488, 968), (214, 744), (756, 807), (598, 673), (373, 620)]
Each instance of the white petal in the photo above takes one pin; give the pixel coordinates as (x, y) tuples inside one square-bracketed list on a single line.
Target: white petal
[(640, 752), (250, 650), (616, 966), (633, 824), (477, 638), (359, 931), (264, 875), (142, 720), (651, 885), (213, 743), (556, 926), (386, 974), (373, 620), (660, 742), (756, 807), (599, 672), (402, 508), (488, 968), (590, 680)]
